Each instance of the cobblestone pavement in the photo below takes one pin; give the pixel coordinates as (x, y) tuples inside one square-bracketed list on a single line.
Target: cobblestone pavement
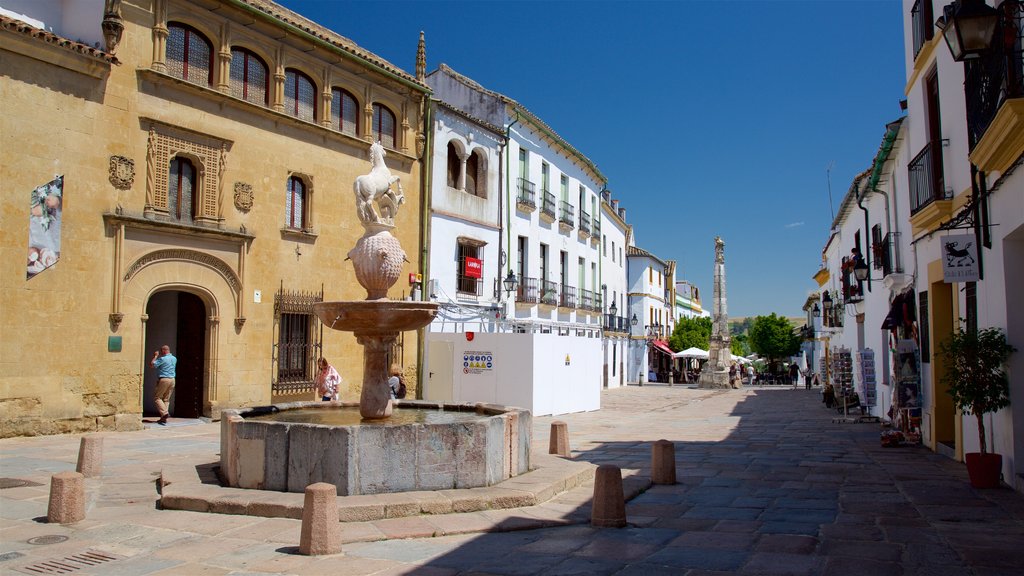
[(768, 484)]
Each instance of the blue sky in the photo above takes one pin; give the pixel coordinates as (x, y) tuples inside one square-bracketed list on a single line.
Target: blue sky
[(707, 118)]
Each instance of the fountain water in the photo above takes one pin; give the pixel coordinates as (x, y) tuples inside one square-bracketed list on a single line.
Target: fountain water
[(279, 448)]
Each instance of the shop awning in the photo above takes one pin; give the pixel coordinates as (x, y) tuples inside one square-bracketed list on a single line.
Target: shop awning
[(662, 346)]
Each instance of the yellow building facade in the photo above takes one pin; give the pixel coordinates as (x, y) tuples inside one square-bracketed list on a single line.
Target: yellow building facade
[(204, 157)]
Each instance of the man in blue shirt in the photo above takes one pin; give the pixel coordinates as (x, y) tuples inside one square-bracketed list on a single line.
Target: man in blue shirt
[(165, 364)]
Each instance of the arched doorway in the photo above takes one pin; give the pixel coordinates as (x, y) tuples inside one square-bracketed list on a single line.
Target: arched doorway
[(177, 319)]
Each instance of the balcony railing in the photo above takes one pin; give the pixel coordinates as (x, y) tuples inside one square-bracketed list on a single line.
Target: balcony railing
[(615, 323), (527, 193), (584, 222), (528, 290), (885, 255), (922, 23), (597, 227), (925, 171), (547, 207), (568, 297), (567, 215), (999, 76), (587, 300), (549, 293)]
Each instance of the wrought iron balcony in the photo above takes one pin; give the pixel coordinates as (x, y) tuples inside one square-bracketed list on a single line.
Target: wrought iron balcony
[(922, 23), (587, 300), (584, 222), (526, 197), (998, 76), (885, 255), (527, 290), (549, 293), (926, 180), (547, 207), (597, 227), (568, 297), (567, 215)]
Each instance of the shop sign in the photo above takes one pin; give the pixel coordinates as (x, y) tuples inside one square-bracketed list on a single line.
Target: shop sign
[(477, 362), (959, 258), (473, 268)]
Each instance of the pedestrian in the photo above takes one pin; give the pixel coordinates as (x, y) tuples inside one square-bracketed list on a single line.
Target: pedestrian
[(828, 395), (807, 379), (750, 373), (165, 364), (794, 373), (397, 383), (327, 381)]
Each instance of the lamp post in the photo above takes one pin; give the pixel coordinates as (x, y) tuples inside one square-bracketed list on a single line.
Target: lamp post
[(613, 310), (510, 283), (968, 27)]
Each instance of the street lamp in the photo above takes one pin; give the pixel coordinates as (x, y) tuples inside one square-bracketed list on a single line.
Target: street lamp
[(613, 309), (634, 320), (826, 301), (968, 27), (816, 311), (510, 283)]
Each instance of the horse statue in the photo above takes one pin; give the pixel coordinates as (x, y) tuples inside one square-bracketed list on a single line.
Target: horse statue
[(376, 187)]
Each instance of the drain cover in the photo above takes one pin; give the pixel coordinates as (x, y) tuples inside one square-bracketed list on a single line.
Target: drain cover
[(16, 483), (48, 539), (10, 556), (73, 563)]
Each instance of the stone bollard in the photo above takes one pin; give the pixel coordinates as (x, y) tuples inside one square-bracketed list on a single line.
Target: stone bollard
[(90, 456), (663, 462), (321, 530), (559, 443), (67, 498), (609, 508)]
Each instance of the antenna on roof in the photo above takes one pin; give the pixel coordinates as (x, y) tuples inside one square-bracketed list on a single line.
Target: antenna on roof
[(828, 180)]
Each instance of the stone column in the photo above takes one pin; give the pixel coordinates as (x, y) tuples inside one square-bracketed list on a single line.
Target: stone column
[(375, 398)]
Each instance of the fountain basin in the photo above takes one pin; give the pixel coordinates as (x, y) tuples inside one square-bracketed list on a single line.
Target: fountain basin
[(480, 445), (376, 316)]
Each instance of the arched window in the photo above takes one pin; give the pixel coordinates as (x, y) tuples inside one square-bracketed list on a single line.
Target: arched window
[(383, 125), (181, 186), (295, 203), (189, 55), (476, 179), (248, 77), (299, 95), (454, 165), (344, 112)]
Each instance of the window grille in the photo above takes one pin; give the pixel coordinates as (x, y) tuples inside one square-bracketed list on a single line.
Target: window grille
[(463, 283), (299, 95), (344, 112), (299, 341), (383, 125), (181, 189), (248, 77), (188, 55), (295, 203)]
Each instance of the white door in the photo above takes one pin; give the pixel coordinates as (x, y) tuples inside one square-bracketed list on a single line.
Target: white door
[(439, 382)]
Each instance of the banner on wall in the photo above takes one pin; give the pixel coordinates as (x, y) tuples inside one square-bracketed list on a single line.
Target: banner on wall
[(959, 258), (44, 220)]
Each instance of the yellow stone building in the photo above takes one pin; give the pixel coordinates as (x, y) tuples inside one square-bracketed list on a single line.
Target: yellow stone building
[(206, 151)]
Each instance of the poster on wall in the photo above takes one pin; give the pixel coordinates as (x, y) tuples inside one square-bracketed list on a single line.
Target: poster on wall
[(959, 258), (44, 221), (477, 362)]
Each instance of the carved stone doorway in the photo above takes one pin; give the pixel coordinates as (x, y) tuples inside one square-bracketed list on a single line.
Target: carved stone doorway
[(177, 319)]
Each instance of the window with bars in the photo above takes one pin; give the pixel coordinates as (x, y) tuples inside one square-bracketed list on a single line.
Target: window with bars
[(189, 54), (298, 344), (383, 125), (249, 78), (181, 186), (344, 112), (469, 276), (299, 95), (295, 203)]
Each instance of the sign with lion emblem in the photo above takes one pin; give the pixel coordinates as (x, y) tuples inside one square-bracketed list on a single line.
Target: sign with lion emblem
[(959, 258)]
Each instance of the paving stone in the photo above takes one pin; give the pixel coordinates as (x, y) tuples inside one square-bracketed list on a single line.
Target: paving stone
[(779, 563), (693, 557)]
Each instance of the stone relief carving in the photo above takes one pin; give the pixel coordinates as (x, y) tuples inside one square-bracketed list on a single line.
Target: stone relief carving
[(112, 25), (243, 196), (122, 172), (192, 256)]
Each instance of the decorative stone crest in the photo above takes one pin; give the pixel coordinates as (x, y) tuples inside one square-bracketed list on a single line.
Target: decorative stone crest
[(115, 320), (112, 25), (243, 196), (122, 172)]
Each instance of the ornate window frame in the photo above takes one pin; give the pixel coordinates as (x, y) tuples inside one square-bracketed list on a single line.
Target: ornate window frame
[(208, 155)]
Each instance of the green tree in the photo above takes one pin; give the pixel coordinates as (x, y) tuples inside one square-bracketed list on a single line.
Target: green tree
[(773, 337), (740, 345), (690, 333)]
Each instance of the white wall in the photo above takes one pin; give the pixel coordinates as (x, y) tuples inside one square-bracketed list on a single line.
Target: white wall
[(528, 371)]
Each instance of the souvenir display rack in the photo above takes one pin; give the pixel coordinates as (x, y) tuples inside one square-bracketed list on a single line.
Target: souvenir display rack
[(866, 366)]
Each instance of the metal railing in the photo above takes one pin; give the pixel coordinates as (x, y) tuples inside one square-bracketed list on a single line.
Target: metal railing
[(549, 293), (588, 300), (567, 297), (527, 193), (567, 215), (922, 23), (615, 323), (925, 177), (998, 76), (528, 290), (469, 285), (584, 222), (548, 205), (597, 227), (886, 255)]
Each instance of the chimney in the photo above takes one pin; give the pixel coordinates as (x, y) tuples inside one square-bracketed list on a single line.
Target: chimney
[(615, 205), (622, 214)]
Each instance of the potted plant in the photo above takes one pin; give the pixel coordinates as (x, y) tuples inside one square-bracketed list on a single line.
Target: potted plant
[(978, 383)]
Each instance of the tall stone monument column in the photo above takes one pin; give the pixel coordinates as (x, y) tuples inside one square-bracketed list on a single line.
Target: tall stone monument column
[(716, 372)]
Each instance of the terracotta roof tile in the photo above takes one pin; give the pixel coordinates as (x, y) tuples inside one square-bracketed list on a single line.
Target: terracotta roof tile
[(18, 27)]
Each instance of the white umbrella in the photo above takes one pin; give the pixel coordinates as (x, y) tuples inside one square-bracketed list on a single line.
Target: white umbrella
[(692, 353)]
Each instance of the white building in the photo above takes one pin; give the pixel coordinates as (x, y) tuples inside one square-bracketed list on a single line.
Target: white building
[(652, 302), (546, 353), (688, 303), (615, 235), (965, 120)]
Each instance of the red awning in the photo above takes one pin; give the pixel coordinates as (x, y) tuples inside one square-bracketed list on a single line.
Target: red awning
[(662, 346)]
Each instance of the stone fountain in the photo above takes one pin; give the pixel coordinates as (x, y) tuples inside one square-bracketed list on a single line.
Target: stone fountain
[(432, 446)]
